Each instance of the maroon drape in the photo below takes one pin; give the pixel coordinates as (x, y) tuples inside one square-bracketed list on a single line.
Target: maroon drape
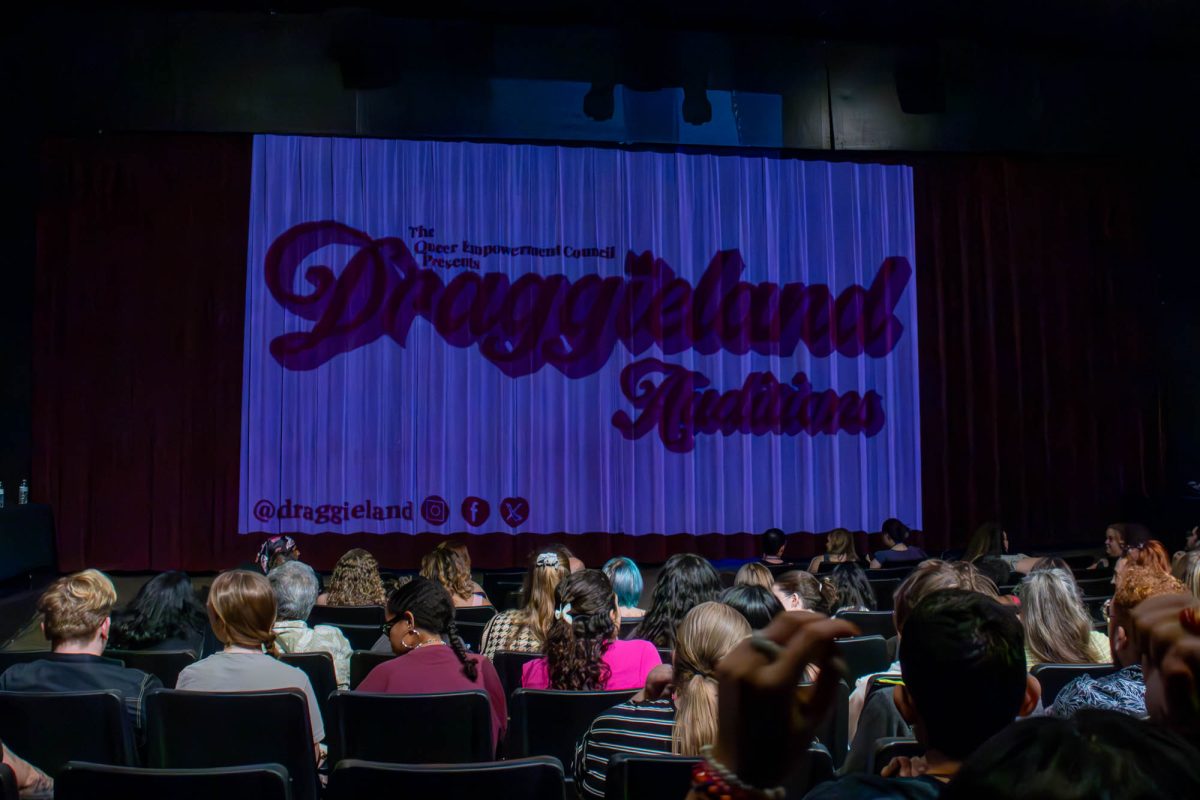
[(1037, 405)]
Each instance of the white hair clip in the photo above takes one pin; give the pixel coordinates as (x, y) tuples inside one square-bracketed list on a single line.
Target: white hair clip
[(548, 560), (564, 613)]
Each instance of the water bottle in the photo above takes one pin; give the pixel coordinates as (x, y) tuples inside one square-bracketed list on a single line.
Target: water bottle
[(23, 493), (1, 494)]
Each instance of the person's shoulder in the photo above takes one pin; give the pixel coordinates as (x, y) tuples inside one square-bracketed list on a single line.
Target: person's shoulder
[(875, 787)]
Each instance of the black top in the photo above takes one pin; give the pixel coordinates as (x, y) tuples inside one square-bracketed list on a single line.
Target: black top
[(80, 672)]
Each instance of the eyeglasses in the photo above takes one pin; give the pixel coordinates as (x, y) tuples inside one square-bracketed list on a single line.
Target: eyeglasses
[(386, 628)]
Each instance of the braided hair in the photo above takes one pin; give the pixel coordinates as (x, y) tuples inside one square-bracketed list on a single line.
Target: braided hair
[(582, 631), (432, 610)]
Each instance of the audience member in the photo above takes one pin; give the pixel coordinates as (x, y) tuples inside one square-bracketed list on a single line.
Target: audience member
[(1187, 571), (986, 549), (523, 630), (1151, 554), (576, 564), (839, 549), (276, 550), (676, 711), (1119, 537), (801, 591), (355, 581), (295, 586), (852, 589), (582, 648), (964, 681), (75, 619), (754, 574), (1058, 629), (32, 783), (444, 566), (774, 543), (1094, 754), (165, 614), (685, 581), (241, 610), (1166, 630), (758, 605), (626, 579), (898, 552), (1125, 689), (430, 655), (461, 549)]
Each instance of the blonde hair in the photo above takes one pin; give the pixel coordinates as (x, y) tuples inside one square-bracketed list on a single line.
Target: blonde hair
[(933, 575), (444, 566), (241, 608), (547, 568), (754, 574), (840, 542), (1057, 626), (1189, 572), (75, 606), (356, 581), (705, 636)]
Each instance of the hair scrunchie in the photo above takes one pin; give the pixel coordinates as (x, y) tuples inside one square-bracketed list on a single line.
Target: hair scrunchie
[(564, 613)]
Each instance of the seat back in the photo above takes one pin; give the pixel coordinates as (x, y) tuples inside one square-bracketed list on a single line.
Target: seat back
[(163, 664), (834, 730), (818, 768), (546, 722), (201, 730), (863, 655), (1096, 587), (628, 626), (8, 784), (1053, 677), (446, 728), (472, 634), (871, 623), (646, 777), (92, 726), (884, 589), (891, 747), (362, 662), (321, 674), (535, 778), (82, 781), (497, 584), (347, 615), (10, 657), (474, 614), (508, 666), (361, 637)]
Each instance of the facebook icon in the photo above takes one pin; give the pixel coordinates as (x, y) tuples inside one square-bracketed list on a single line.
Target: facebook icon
[(475, 511)]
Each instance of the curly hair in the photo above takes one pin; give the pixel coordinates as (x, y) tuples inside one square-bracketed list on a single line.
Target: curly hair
[(582, 631), (433, 611), (356, 580), (166, 607), (443, 565), (686, 581)]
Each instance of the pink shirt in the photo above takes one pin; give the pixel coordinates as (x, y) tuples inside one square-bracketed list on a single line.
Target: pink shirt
[(629, 659)]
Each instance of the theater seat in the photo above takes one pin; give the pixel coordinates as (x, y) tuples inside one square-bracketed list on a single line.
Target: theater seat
[(546, 722), (49, 729), (645, 777), (163, 664), (82, 781), (863, 655), (1053, 677), (871, 623), (508, 667), (519, 779), (347, 615), (449, 727), (892, 747), (321, 674), (362, 662)]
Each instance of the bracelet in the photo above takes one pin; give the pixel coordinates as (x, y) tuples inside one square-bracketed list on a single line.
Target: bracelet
[(711, 777)]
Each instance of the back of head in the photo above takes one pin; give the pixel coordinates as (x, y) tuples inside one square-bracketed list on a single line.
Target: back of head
[(582, 630), (75, 606), (988, 540), (686, 581), (934, 575), (774, 540), (295, 586), (815, 594), (706, 635), (840, 542), (355, 580), (895, 530), (963, 661), (626, 580), (445, 566), (1151, 554), (547, 568), (1189, 572), (754, 574), (1057, 626), (164, 608), (1137, 584), (1091, 754), (432, 611), (854, 589), (758, 605), (241, 608)]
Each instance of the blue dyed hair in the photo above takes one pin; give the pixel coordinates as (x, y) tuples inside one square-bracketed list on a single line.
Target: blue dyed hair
[(626, 580)]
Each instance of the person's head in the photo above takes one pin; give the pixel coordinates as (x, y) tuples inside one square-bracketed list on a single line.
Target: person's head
[(753, 574), (1189, 571), (460, 548), (854, 590), (1150, 553), (421, 611), (1120, 536), (276, 550), (758, 605), (355, 580), (1133, 586), (933, 575), (1051, 562), (963, 662), (1057, 625), (547, 567), (989, 539), (1192, 540), (241, 609), (626, 580), (75, 611), (443, 565), (798, 590), (774, 540), (706, 635), (894, 532), (585, 623), (576, 564), (1091, 754), (166, 607), (685, 581), (296, 587), (840, 542)]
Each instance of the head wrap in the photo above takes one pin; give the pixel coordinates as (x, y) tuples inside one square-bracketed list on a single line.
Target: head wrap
[(273, 547)]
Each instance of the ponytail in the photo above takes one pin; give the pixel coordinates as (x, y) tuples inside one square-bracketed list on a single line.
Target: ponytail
[(706, 635), (470, 668), (696, 712)]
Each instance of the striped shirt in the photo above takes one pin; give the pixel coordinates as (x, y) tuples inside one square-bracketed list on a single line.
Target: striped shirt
[(634, 728)]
